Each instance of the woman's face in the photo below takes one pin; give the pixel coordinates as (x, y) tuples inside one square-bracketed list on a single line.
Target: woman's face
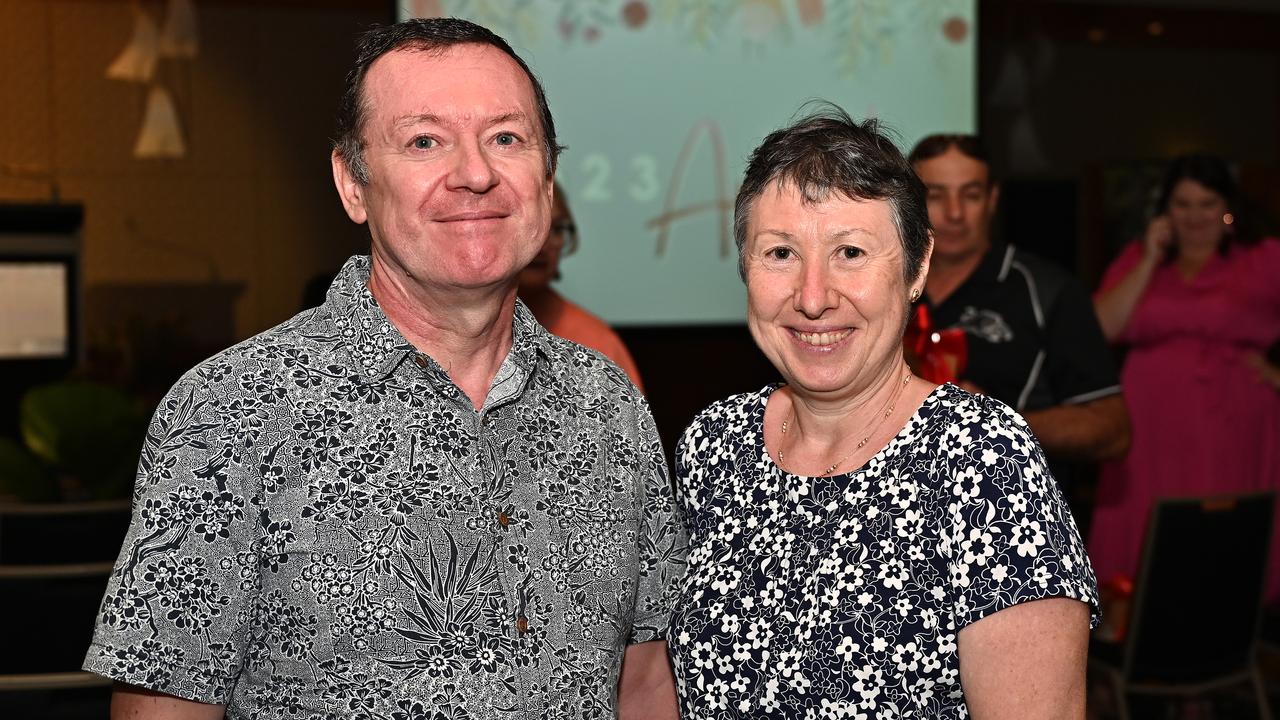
[(826, 297), (1197, 214)]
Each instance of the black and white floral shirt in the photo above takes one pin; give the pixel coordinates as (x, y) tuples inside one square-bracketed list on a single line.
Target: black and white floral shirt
[(324, 527), (841, 597)]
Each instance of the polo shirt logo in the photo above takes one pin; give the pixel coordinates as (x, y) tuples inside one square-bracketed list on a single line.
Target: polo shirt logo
[(986, 324)]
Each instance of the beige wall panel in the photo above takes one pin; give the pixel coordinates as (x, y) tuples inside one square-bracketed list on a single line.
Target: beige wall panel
[(251, 203)]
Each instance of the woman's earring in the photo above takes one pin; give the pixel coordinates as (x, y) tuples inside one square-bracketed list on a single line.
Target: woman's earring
[(915, 295)]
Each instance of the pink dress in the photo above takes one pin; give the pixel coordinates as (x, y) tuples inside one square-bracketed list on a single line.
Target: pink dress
[(1203, 421)]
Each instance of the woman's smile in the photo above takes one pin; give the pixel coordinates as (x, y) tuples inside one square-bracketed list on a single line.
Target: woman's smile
[(825, 340)]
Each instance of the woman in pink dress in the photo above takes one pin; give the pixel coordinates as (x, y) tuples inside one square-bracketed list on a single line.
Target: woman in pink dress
[(1197, 303)]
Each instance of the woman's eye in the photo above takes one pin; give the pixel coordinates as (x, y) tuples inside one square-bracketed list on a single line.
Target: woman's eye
[(506, 139), (422, 142), (850, 253), (779, 253)]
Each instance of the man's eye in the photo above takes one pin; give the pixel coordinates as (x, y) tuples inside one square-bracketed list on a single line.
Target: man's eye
[(850, 253), (422, 142), (506, 139)]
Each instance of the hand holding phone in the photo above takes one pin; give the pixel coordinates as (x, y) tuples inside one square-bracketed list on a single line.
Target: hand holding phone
[(1158, 238)]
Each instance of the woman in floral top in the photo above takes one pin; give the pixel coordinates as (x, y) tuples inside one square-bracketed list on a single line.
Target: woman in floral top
[(865, 544)]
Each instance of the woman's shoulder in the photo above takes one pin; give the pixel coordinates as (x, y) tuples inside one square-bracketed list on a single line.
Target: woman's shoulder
[(956, 406), (735, 410), (965, 426), (1263, 255), (722, 430)]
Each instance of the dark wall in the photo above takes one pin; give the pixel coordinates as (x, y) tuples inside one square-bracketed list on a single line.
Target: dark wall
[(686, 368)]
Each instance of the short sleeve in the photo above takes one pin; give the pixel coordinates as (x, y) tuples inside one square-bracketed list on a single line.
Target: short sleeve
[(664, 542), (1121, 266), (1262, 269), (1079, 364), (175, 615), (1010, 537)]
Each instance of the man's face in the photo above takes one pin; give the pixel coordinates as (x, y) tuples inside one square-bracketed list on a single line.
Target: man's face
[(962, 201), (458, 194)]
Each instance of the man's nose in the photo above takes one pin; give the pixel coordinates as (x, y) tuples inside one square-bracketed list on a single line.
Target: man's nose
[(954, 209), (472, 169)]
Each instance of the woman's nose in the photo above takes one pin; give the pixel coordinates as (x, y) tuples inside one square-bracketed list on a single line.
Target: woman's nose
[(815, 295)]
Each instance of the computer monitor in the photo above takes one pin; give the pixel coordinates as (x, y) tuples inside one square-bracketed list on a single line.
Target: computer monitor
[(40, 336), (35, 308)]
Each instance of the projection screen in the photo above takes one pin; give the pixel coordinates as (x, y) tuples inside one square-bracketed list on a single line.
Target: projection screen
[(660, 102)]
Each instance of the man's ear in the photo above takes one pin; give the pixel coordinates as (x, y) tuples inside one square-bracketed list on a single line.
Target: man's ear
[(993, 199), (349, 189)]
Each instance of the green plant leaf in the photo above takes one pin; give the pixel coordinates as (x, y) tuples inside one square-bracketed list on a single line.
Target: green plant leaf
[(22, 475), (89, 431)]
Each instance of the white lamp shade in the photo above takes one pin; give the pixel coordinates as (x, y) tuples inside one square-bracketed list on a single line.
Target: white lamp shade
[(178, 37), (137, 62), (161, 134)]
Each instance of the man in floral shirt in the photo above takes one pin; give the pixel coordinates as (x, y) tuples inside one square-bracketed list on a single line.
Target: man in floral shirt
[(411, 501)]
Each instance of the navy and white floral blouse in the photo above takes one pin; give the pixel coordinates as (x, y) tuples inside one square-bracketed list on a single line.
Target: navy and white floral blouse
[(841, 597)]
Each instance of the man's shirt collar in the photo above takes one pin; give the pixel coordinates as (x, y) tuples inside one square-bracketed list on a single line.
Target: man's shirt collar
[(377, 347)]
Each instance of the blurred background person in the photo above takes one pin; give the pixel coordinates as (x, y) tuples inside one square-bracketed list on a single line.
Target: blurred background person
[(1032, 339), (556, 313), (1196, 302)]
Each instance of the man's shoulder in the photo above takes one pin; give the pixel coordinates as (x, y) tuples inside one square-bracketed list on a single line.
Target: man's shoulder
[(583, 363), (588, 377), (1045, 281), (1040, 267), (307, 334)]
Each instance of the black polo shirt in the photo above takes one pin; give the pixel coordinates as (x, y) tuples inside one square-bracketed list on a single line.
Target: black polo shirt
[(1033, 338)]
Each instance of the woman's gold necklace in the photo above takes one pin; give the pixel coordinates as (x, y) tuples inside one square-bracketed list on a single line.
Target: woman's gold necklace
[(893, 402)]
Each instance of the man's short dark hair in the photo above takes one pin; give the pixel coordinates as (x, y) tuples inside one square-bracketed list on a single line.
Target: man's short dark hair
[(932, 146), (433, 35), (827, 151)]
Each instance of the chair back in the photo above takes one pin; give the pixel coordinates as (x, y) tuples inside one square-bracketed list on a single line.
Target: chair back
[(1198, 596), (55, 533), (47, 615)]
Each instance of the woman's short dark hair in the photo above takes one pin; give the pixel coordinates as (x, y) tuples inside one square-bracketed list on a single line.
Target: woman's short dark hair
[(433, 35), (1213, 173), (827, 151)]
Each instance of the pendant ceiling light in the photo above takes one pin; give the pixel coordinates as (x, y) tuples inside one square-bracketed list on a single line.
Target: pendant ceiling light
[(178, 37), (161, 134), (137, 62)]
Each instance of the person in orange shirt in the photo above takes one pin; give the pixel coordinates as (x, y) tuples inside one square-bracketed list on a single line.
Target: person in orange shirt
[(559, 315)]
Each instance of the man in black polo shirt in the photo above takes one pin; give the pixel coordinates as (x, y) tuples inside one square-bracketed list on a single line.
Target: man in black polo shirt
[(1033, 339)]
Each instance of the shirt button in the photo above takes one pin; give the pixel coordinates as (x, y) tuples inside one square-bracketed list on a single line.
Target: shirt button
[(522, 625), (503, 519), (421, 361)]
